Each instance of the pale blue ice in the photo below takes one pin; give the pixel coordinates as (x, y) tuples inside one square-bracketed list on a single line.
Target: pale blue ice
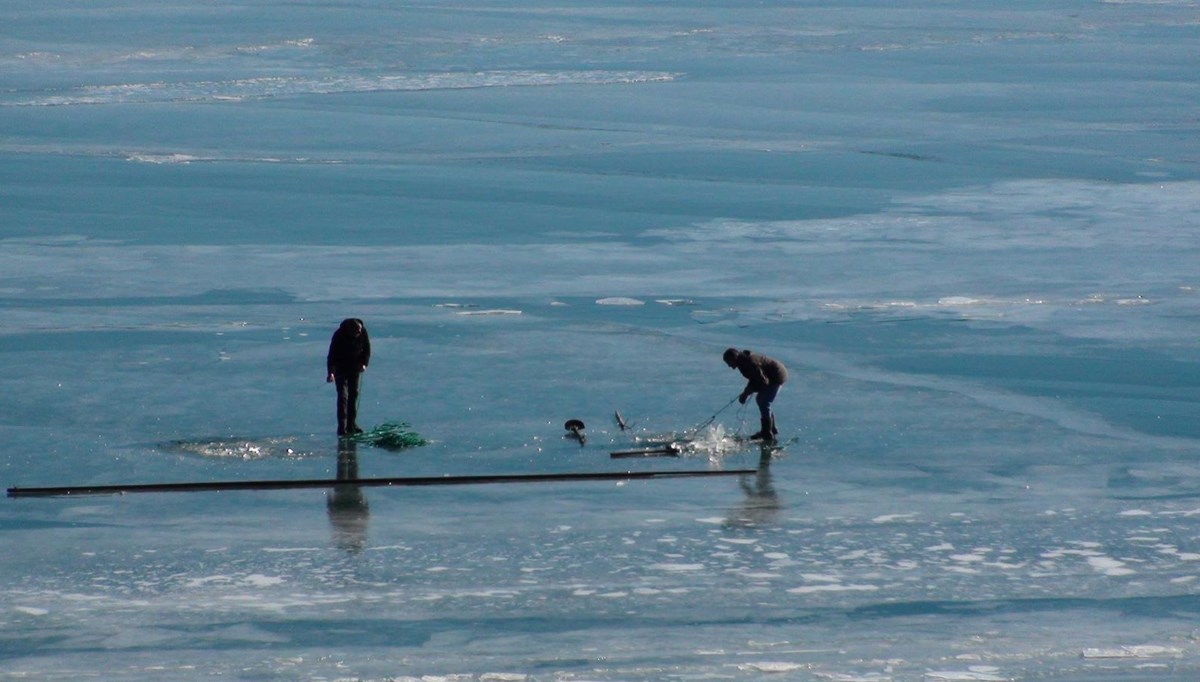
[(969, 229)]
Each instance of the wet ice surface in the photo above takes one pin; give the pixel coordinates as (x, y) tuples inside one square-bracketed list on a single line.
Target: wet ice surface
[(614, 584), (970, 534), (969, 232)]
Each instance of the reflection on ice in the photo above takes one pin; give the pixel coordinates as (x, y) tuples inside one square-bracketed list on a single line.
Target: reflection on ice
[(347, 505), (762, 504)]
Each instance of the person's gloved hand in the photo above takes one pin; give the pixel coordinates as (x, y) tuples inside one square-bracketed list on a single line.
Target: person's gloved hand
[(742, 398)]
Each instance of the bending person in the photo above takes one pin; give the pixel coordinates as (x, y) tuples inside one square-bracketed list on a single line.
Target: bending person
[(764, 376)]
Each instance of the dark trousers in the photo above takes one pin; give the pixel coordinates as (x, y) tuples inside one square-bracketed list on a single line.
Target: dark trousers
[(764, 398), (347, 401)]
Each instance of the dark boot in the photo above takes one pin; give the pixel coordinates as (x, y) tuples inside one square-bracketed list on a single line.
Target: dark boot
[(764, 433), (774, 429)]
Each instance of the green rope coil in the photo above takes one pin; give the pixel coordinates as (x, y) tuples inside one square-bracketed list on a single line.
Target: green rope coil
[(391, 436)]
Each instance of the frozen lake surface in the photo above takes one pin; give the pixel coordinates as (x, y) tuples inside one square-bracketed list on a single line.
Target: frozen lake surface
[(969, 230)]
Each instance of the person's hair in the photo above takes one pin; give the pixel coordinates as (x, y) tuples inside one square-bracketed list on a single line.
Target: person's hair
[(350, 323), (730, 356)]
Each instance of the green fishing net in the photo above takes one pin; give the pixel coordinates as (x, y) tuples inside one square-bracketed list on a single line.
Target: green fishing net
[(391, 436)]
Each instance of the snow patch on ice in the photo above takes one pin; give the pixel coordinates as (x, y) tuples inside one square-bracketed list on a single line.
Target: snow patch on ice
[(812, 589), (31, 610), (236, 90), (161, 159), (972, 674), (1109, 566), (489, 312), (771, 667), (200, 582), (1136, 651), (259, 580), (846, 677), (619, 300), (677, 567), (891, 518)]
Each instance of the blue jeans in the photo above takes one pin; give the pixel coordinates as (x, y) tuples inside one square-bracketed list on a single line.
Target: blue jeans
[(764, 398)]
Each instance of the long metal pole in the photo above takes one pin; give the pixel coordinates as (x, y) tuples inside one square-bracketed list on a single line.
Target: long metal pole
[(202, 486)]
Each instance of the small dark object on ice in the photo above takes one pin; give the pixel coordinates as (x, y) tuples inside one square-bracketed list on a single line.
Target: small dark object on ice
[(575, 427)]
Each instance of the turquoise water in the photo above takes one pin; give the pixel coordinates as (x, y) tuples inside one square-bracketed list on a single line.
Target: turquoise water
[(968, 230)]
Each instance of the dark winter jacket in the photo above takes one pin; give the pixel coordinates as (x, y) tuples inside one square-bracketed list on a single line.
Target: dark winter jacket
[(348, 353), (760, 371)]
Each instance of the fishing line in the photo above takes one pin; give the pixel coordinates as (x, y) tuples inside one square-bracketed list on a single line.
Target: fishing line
[(740, 414), (711, 419)]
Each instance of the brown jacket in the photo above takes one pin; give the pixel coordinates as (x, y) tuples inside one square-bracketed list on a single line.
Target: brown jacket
[(760, 371)]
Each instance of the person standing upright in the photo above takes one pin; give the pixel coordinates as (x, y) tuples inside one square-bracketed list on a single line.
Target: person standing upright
[(764, 376), (349, 355)]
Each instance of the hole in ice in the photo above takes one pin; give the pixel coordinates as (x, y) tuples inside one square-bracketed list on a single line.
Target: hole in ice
[(713, 441), (239, 448)]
